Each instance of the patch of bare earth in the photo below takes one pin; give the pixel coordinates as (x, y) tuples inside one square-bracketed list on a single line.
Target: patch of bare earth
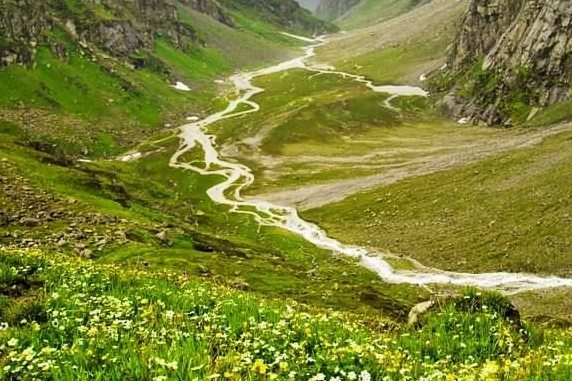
[(313, 196)]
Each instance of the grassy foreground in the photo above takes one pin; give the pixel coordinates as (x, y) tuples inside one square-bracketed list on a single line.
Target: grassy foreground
[(66, 319)]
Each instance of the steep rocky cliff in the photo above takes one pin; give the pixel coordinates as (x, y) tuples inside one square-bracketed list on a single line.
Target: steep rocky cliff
[(510, 58)]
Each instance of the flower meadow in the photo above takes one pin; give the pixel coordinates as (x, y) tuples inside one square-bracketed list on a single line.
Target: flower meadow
[(67, 319)]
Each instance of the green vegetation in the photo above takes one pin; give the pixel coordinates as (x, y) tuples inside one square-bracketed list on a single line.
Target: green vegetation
[(116, 270), (369, 12), (557, 113), (205, 239), (65, 319), (516, 101), (77, 96), (510, 212), (320, 127), (401, 64)]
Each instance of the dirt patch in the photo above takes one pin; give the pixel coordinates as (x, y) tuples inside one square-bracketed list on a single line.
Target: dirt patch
[(314, 196)]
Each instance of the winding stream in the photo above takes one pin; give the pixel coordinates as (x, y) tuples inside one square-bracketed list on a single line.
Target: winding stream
[(237, 176)]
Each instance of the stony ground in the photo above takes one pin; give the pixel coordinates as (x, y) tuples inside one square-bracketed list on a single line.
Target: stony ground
[(32, 217)]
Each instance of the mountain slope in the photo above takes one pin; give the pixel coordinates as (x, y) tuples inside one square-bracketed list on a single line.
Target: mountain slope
[(354, 14), (509, 59), (311, 5), (76, 70), (332, 9)]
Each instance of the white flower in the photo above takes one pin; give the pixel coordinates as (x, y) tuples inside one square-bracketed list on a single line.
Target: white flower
[(170, 314), (172, 365), (352, 376), (365, 376), (12, 342)]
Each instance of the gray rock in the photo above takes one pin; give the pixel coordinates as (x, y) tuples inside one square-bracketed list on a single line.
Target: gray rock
[(524, 45), (29, 222), (417, 312), (163, 237)]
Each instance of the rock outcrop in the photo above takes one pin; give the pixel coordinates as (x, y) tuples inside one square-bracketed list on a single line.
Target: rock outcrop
[(22, 24), (121, 28), (509, 57)]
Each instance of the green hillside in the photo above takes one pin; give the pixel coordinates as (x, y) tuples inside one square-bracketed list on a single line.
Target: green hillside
[(363, 13), (109, 64)]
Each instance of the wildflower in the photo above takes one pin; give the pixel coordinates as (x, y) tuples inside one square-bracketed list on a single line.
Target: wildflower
[(12, 342), (172, 365), (160, 378), (170, 314), (352, 376), (259, 366), (489, 369), (283, 365), (365, 376)]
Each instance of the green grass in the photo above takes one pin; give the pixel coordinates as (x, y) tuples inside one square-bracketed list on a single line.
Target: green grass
[(510, 212), (65, 319), (396, 64), (84, 98), (232, 247), (321, 128), (241, 48), (557, 113), (369, 12), (197, 64)]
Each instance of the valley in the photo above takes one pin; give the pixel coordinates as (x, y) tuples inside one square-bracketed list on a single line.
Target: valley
[(264, 169)]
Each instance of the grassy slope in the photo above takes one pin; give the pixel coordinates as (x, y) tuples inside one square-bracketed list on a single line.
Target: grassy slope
[(369, 12), (74, 320), (407, 45), (102, 93), (400, 64), (506, 213), (231, 248)]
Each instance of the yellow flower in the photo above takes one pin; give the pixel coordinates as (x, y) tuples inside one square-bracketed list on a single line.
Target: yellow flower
[(490, 369), (259, 367), (283, 365)]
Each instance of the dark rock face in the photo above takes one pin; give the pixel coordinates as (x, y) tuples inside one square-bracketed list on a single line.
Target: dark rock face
[(134, 26), (22, 25), (522, 51)]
